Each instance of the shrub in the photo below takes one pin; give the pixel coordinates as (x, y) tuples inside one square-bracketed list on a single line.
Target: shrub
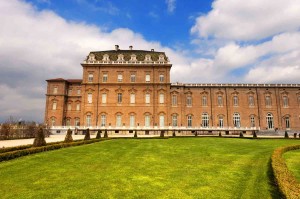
[(135, 134), (295, 135), (287, 183), (68, 137), (174, 134), (254, 134), (286, 135), (241, 134), (220, 134), (98, 136), (87, 135), (162, 134), (105, 134), (40, 138), (196, 133)]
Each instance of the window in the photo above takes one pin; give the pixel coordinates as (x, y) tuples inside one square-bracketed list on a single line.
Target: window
[(161, 98), (69, 107), (189, 121), (204, 101), (90, 77), (221, 121), (52, 121), (119, 121), (161, 78), (132, 78), (147, 120), (205, 120), (90, 98), (268, 101), (54, 105), (174, 100), (78, 91), (270, 122), (88, 120), (103, 120), (68, 122), (285, 101), (104, 95), (220, 101), (189, 100), (77, 121), (252, 121), (235, 101), (132, 120), (78, 107), (161, 121), (287, 122), (236, 120), (147, 98), (148, 58), (55, 90), (174, 120), (251, 100), (147, 77), (120, 77), (132, 98), (104, 77), (119, 98), (70, 92)]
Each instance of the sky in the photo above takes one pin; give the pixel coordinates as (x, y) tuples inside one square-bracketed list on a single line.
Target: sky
[(207, 41)]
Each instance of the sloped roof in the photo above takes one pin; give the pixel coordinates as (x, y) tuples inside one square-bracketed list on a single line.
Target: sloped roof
[(64, 80)]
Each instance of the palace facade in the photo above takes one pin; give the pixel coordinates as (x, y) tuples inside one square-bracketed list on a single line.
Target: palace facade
[(132, 89)]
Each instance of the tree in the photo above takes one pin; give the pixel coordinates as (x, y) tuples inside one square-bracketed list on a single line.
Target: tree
[(87, 134), (40, 138), (68, 137), (98, 136)]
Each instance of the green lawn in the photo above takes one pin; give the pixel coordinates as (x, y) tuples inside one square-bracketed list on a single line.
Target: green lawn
[(292, 159), (146, 168)]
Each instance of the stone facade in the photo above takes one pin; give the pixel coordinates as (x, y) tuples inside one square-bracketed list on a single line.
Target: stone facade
[(132, 89)]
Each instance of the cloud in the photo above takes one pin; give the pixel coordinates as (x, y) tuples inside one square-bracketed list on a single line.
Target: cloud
[(249, 20), (171, 5)]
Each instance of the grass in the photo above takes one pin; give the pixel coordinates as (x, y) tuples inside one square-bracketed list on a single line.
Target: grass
[(292, 159), (150, 168)]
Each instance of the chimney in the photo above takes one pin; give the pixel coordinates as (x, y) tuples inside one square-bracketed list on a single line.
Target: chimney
[(130, 47), (152, 50), (116, 47)]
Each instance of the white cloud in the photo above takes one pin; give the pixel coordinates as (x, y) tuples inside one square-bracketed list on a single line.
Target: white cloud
[(248, 20), (171, 5)]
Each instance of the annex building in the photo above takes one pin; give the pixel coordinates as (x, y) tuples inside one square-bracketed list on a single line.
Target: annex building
[(131, 89)]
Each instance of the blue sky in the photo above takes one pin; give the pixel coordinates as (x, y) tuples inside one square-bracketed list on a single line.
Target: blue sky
[(217, 41)]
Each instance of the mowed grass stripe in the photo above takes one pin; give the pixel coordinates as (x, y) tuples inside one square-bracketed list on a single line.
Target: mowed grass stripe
[(150, 168), (292, 159)]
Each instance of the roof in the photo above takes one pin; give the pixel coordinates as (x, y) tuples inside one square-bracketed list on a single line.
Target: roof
[(65, 80), (140, 54)]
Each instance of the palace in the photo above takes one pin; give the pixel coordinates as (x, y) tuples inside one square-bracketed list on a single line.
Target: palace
[(131, 89)]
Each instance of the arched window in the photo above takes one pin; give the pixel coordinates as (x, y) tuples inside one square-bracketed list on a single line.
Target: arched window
[(132, 120), (52, 120), (174, 120), (236, 120), (221, 121), (77, 121), (270, 121), (147, 120), (103, 120), (105, 57), (205, 120), (133, 57), (68, 122), (118, 120), (161, 121), (287, 122), (252, 121), (88, 120)]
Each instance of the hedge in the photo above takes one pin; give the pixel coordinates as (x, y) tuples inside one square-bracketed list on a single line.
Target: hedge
[(286, 181), (23, 152)]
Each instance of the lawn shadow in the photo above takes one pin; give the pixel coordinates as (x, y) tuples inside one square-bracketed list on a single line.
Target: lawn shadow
[(273, 188)]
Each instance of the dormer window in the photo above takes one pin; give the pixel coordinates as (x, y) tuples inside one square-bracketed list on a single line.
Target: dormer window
[(105, 57), (91, 57), (133, 57), (148, 58), (161, 58), (120, 57)]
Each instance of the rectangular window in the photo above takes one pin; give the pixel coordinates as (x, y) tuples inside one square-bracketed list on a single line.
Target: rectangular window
[(235, 101), (54, 106), (68, 122), (69, 107), (161, 78), (77, 107), (204, 101), (78, 91), (55, 90), (287, 122), (174, 120), (188, 101), (221, 122), (147, 120), (161, 98), (90, 98), (189, 121), (70, 92), (103, 120), (285, 101), (147, 98), (90, 77), (268, 101), (161, 121), (119, 121), (132, 121), (174, 100), (88, 120), (220, 101), (252, 121), (104, 98), (104, 77), (120, 77), (251, 101), (147, 77), (132, 78), (132, 98), (119, 98), (77, 121)]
